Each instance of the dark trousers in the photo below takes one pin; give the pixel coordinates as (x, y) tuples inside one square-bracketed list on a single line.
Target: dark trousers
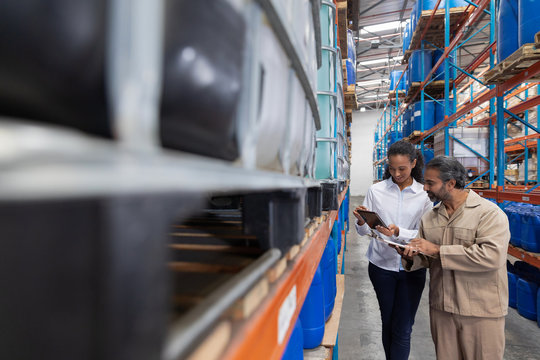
[(398, 294)]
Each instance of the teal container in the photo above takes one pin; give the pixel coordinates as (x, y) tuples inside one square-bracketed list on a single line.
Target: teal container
[(512, 290), (312, 313), (295, 346), (528, 21), (326, 75), (405, 125), (329, 276), (507, 28), (428, 155), (530, 239), (527, 293), (325, 152), (328, 17)]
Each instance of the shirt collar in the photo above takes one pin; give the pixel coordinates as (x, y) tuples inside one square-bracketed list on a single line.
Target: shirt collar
[(415, 187)]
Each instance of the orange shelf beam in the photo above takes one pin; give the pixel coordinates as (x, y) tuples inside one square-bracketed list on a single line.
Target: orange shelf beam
[(530, 258), (258, 337)]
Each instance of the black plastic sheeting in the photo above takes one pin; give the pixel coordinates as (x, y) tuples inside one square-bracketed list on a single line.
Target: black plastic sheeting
[(52, 62), (204, 46)]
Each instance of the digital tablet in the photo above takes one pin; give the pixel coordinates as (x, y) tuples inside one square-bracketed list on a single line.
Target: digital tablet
[(371, 218)]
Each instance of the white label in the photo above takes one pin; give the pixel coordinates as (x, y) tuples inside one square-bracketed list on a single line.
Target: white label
[(525, 198), (330, 224), (417, 113), (480, 193), (286, 312)]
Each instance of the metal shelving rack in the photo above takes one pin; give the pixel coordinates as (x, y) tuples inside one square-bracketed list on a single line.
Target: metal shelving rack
[(52, 176), (503, 150)]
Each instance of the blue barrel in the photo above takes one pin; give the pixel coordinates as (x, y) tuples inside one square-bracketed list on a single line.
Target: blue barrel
[(428, 5), (515, 226), (457, 3), (439, 110), (404, 82), (528, 21), (530, 239), (406, 37), (538, 307), (351, 73), (428, 155), (527, 292), (295, 346), (512, 289), (417, 73), (312, 313), (406, 123), (394, 78), (329, 277), (439, 72), (429, 115), (507, 29)]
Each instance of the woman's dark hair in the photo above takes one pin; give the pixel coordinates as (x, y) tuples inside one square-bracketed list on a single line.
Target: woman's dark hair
[(403, 147)]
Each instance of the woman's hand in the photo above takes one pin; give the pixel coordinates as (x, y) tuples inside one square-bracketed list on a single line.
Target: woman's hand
[(359, 219), (392, 230)]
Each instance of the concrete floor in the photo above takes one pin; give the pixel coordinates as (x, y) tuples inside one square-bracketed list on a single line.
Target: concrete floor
[(360, 326)]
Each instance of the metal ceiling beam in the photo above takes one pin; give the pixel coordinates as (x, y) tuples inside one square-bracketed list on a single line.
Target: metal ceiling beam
[(371, 7)]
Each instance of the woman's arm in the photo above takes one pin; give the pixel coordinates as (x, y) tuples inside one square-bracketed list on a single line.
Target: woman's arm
[(361, 227)]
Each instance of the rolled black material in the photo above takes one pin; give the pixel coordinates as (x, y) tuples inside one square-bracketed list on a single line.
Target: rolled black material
[(52, 62), (204, 43)]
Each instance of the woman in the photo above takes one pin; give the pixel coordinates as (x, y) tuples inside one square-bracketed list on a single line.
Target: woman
[(400, 201)]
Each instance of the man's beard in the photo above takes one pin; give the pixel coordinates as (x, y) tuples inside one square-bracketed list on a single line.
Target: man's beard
[(442, 195)]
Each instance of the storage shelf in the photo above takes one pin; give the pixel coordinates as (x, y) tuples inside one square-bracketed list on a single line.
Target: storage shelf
[(47, 162), (511, 195), (528, 257), (259, 334)]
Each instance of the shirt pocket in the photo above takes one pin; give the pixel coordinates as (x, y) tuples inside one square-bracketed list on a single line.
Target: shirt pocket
[(464, 236)]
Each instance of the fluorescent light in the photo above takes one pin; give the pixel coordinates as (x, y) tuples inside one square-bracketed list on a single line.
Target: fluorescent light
[(374, 96), (381, 27), (370, 82), (381, 60), (362, 109), (375, 61)]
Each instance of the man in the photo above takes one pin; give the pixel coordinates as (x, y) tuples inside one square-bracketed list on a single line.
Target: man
[(463, 241)]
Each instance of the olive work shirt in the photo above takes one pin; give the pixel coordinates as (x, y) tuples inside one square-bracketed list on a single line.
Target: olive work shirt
[(468, 277)]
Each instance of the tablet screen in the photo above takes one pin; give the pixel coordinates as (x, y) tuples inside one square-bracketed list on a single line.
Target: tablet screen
[(371, 218)]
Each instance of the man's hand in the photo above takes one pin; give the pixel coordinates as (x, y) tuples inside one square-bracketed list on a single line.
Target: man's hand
[(401, 251), (391, 230), (359, 219), (423, 246)]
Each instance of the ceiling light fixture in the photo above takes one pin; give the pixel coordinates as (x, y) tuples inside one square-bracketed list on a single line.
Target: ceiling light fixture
[(392, 25)]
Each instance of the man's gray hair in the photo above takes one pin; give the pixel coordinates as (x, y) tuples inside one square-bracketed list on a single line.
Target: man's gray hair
[(449, 168)]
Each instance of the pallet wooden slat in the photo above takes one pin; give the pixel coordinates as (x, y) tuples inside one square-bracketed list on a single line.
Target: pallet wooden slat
[(435, 33), (523, 58)]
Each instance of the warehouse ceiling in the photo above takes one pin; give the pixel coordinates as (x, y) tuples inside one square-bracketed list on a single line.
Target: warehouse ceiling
[(379, 47)]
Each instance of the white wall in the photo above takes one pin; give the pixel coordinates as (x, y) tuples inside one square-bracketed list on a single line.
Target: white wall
[(362, 132)]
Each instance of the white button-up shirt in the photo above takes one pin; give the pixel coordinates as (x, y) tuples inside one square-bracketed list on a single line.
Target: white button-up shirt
[(402, 208)]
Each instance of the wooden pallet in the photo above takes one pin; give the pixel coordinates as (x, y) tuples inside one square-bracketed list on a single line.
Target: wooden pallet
[(342, 27), (435, 33), (350, 98), (392, 94), (521, 59), (434, 89), (479, 185)]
